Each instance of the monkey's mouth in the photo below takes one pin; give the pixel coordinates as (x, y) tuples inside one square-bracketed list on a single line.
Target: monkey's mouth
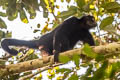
[(94, 24)]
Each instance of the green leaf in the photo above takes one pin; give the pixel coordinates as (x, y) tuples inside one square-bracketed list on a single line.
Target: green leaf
[(23, 16), (38, 25), (35, 4), (8, 35), (2, 2), (110, 28), (111, 5), (13, 77), (32, 56), (64, 59), (3, 14), (5, 35), (32, 15), (2, 62), (73, 77), (13, 15), (62, 0), (2, 34), (87, 50), (72, 8), (31, 6), (110, 70), (62, 70), (113, 69), (55, 25), (11, 10), (80, 3), (116, 10), (65, 14), (68, 1), (66, 74), (2, 24), (87, 73), (105, 22), (36, 30), (76, 59), (99, 57), (99, 74), (45, 14), (45, 11)]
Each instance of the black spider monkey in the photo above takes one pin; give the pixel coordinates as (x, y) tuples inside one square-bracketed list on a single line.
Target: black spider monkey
[(62, 38)]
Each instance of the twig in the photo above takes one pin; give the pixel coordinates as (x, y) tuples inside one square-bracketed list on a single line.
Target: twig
[(40, 70), (6, 56)]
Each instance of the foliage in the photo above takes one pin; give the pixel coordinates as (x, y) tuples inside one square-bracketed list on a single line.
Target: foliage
[(106, 13)]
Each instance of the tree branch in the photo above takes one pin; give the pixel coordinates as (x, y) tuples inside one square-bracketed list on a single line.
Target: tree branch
[(113, 48)]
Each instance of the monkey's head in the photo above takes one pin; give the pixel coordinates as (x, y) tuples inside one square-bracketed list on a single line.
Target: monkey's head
[(88, 21)]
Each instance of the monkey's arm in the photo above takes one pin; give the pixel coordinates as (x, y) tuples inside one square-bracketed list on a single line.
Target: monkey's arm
[(88, 39), (60, 44)]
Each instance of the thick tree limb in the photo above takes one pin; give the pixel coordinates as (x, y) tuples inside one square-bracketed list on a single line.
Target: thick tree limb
[(38, 63)]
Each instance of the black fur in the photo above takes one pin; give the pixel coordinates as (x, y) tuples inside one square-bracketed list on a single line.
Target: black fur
[(62, 38)]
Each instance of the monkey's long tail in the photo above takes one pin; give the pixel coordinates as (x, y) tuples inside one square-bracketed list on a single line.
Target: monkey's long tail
[(14, 42)]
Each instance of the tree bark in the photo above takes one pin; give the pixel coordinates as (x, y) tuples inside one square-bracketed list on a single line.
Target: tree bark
[(113, 48)]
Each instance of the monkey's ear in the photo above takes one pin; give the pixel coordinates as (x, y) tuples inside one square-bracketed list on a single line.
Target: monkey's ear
[(83, 18)]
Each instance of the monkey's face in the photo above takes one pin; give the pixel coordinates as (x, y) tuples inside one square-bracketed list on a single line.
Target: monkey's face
[(89, 21)]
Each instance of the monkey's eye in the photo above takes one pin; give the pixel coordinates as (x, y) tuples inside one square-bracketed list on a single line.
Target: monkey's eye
[(93, 19)]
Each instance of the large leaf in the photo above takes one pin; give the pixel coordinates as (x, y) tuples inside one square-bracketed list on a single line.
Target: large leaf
[(64, 59), (2, 24), (110, 28), (74, 77), (11, 10), (31, 6), (107, 21), (111, 7), (76, 59), (87, 50), (80, 3), (72, 10)]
